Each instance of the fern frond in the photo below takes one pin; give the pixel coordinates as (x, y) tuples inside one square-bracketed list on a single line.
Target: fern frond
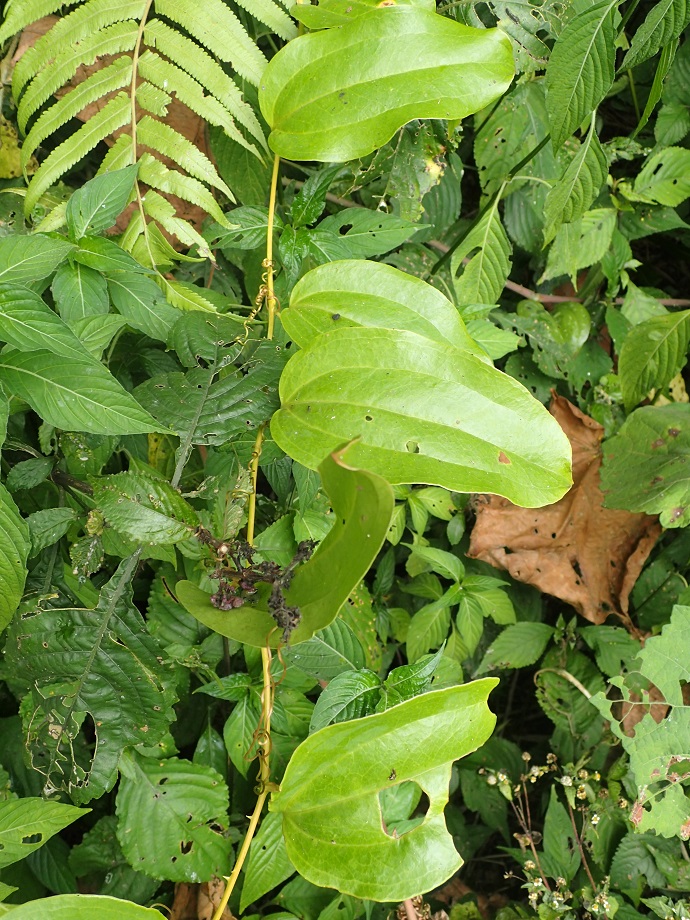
[(121, 36), (163, 212), (166, 140), (166, 75), (200, 65), (157, 175), (111, 78), (69, 33), (115, 114), (152, 99), (271, 15), (19, 14), (220, 31), (121, 154)]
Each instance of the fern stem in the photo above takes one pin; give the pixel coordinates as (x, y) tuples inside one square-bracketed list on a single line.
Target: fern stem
[(270, 292), (133, 105)]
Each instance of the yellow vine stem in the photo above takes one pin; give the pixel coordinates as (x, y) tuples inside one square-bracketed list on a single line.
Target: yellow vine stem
[(263, 733)]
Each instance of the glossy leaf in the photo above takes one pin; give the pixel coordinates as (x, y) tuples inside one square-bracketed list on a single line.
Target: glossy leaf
[(330, 13), (83, 907), (645, 464), (15, 544), (371, 294), (424, 412), (349, 695), (24, 259), (433, 68), (329, 795), (75, 394), (144, 508), (24, 820), (171, 815), (109, 667), (652, 354), (95, 206), (581, 67), (363, 504)]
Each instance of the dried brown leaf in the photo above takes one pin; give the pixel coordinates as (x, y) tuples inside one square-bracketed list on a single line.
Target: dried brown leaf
[(576, 550)]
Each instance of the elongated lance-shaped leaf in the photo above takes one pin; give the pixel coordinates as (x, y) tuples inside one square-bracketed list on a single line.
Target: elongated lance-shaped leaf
[(74, 394), (24, 820), (115, 114), (171, 817), (433, 68), (329, 796), (665, 22), (83, 907), (363, 504), (356, 293), (79, 292), (221, 32), (24, 259), (424, 412), (580, 184), (98, 662), (20, 13), (161, 137), (268, 864), (15, 544), (488, 249), (581, 68), (652, 354), (664, 177), (94, 207), (27, 323)]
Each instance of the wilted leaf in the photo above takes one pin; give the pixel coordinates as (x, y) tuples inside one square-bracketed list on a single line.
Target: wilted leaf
[(576, 549)]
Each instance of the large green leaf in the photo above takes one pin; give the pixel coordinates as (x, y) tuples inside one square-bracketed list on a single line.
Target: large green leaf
[(363, 505), (664, 23), (581, 68), (578, 187), (354, 293), (329, 796), (142, 303), (83, 907), (79, 291), (15, 544), (333, 95), (27, 323), (144, 508), (424, 412), (268, 864), (171, 815), (646, 464), (95, 206), (26, 824), (101, 662), (74, 394), (24, 259), (486, 251), (652, 354), (664, 178)]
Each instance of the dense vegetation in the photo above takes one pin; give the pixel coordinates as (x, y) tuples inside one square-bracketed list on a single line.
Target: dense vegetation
[(344, 509)]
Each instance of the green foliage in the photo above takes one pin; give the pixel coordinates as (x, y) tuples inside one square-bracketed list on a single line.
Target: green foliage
[(251, 366)]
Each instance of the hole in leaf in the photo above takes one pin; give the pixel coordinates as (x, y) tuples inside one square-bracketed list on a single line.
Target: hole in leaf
[(185, 846), (32, 838), (403, 806), (412, 447)]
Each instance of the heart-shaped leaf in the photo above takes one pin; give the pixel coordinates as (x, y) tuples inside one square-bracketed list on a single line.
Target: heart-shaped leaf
[(329, 796), (433, 67)]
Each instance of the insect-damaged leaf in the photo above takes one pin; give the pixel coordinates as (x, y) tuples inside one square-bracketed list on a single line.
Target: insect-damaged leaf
[(329, 797)]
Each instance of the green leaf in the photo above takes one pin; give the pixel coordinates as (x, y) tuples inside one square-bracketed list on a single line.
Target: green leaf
[(83, 907), (371, 294), (75, 394), (144, 508), (15, 544), (268, 864), (665, 177), (433, 68), (311, 199), (27, 323), (645, 464), (359, 233), (561, 857), (663, 24), (517, 646), (487, 249), (106, 665), (578, 187), (581, 67), (96, 332), (328, 653), (580, 244), (331, 13), (349, 695), (47, 526), (79, 292), (653, 353), (238, 732), (408, 680), (106, 256), (377, 384), (363, 504), (331, 813), (95, 206), (142, 303), (171, 815), (429, 627), (24, 259), (27, 474), (24, 819)]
